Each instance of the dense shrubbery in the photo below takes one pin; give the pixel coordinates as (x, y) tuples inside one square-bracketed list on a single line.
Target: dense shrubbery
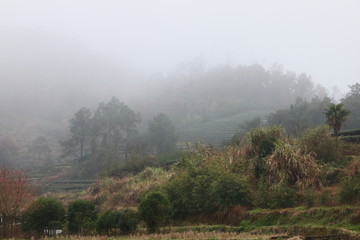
[(205, 183), (110, 222), (325, 147), (107, 222), (156, 211), (267, 170), (349, 191), (44, 213), (81, 216)]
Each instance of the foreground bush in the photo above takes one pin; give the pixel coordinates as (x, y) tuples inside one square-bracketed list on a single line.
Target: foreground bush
[(282, 196), (320, 142), (44, 214), (349, 191), (110, 222), (81, 216), (230, 190), (156, 211)]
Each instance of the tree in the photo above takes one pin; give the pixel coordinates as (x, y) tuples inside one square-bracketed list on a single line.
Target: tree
[(228, 191), (15, 194), (162, 134), (101, 138), (336, 116), (128, 221), (352, 103), (155, 210), (44, 214), (80, 127), (107, 222), (111, 221), (116, 123), (81, 216)]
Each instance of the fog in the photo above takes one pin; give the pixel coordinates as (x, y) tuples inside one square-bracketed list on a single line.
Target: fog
[(57, 56)]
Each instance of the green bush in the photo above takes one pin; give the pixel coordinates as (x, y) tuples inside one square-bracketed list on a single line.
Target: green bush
[(44, 213), (228, 191), (309, 198), (110, 222), (283, 197), (81, 216), (179, 190), (320, 142), (261, 197), (349, 191), (128, 221), (155, 210), (107, 222)]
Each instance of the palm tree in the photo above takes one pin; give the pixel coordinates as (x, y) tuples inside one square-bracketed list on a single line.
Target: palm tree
[(336, 116)]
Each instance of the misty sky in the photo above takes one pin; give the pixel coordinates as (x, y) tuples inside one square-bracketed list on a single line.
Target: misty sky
[(321, 37)]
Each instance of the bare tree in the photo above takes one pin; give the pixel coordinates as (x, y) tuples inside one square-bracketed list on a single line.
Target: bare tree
[(16, 193)]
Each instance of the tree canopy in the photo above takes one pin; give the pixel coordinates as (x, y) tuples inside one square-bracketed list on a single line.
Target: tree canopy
[(336, 116)]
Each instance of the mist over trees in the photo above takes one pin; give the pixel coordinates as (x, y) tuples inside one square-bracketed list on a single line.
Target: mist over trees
[(198, 102), (101, 137), (223, 91), (352, 102)]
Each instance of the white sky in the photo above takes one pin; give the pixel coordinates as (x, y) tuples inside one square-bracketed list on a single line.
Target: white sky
[(319, 37)]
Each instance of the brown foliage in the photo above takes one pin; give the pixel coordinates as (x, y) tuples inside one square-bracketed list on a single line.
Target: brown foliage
[(15, 195), (288, 164)]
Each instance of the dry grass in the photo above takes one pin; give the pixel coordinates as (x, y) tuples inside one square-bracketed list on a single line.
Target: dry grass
[(116, 193)]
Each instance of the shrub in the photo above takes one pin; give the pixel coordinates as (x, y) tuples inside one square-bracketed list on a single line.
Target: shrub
[(288, 165), (155, 210), (81, 216), (320, 142), (44, 213), (283, 197), (309, 198), (128, 220), (262, 199), (179, 191), (228, 191), (349, 191), (111, 221), (107, 222)]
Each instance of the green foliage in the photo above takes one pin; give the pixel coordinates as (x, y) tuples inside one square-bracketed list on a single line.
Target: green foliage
[(205, 184), (162, 136), (309, 198), (352, 102), (282, 196), (107, 222), (44, 213), (349, 191), (81, 216), (229, 190), (320, 142), (301, 115), (111, 221), (128, 220), (96, 139), (155, 209), (336, 116), (261, 197)]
